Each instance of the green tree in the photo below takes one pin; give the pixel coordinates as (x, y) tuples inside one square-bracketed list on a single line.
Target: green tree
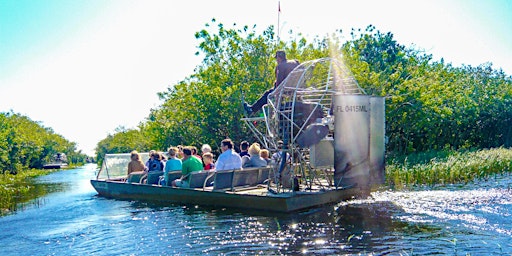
[(431, 105), (122, 141), (27, 144), (238, 65)]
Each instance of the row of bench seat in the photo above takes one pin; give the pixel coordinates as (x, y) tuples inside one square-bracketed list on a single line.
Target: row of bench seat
[(231, 179), (225, 180)]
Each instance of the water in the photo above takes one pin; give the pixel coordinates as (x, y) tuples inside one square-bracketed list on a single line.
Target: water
[(73, 220)]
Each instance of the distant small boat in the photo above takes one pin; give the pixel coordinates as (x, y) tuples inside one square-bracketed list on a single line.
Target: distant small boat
[(55, 165), (59, 161)]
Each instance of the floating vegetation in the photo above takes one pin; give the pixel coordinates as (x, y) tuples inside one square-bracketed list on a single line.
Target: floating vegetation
[(447, 167)]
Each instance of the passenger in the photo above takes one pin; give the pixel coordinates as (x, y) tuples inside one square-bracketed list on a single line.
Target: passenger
[(151, 153), (136, 164), (254, 159), (180, 152), (172, 164), (208, 161), (265, 154), (283, 69), (229, 159), (276, 157), (136, 168), (155, 163), (194, 153), (190, 164), (244, 145), (155, 168), (206, 148)]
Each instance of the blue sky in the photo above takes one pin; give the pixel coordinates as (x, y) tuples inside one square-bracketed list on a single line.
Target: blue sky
[(86, 67)]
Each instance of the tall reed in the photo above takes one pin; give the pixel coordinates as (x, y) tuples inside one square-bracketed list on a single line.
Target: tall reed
[(447, 167)]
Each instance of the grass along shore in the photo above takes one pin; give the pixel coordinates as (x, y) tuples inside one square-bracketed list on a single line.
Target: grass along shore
[(447, 167), (16, 186)]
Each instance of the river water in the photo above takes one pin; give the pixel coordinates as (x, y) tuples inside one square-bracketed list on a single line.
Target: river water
[(73, 220)]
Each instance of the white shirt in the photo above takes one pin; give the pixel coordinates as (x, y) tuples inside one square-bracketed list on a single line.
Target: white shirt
[(276, 157), (229, 160)]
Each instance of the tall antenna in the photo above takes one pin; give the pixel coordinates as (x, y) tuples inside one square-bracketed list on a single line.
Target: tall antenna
[(278, 22)]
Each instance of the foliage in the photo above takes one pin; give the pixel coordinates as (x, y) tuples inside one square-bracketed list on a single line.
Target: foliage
[(124, 140), (431, 105), (207, 106), (27, 144), (447, 167)]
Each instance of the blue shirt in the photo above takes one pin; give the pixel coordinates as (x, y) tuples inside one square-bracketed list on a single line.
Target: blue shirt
[(173, 164)]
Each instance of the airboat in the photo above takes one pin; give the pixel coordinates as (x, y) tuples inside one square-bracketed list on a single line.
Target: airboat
[(329, 131), (59, 161)]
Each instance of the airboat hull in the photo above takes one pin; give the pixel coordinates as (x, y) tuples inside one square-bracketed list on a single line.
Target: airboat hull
[(255, 198), (55, 166)]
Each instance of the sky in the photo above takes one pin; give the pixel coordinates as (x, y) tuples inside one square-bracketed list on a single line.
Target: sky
[(87, 67)]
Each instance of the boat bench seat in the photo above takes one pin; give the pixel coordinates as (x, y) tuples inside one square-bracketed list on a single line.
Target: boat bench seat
[(196, 179), (154, 177), (172, 175), (231, 179), (200, 179), (135, 177), (223, 180)]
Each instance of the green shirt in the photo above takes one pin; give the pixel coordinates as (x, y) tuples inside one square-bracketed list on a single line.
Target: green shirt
[(192, 164)]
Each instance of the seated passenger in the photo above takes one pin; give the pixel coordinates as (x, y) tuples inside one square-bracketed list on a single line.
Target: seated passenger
[(172, 164), (206, 148), (155, 167), (283, 69), (276, 157), (154, 162), (208, 161), (254, 159), (229, 159), (135, 166), (190, 164), (194, 152), (180, 152), (265, 154), (151, 152), (244, 145)]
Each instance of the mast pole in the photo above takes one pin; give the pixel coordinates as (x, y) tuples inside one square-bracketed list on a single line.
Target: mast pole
[(278, 22)]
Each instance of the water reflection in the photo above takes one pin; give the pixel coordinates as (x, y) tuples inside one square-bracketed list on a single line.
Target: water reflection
[(33, 199), (345, 228), (76, 180)]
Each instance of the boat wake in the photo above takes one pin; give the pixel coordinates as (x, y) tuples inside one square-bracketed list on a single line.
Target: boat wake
[(478, 209)]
